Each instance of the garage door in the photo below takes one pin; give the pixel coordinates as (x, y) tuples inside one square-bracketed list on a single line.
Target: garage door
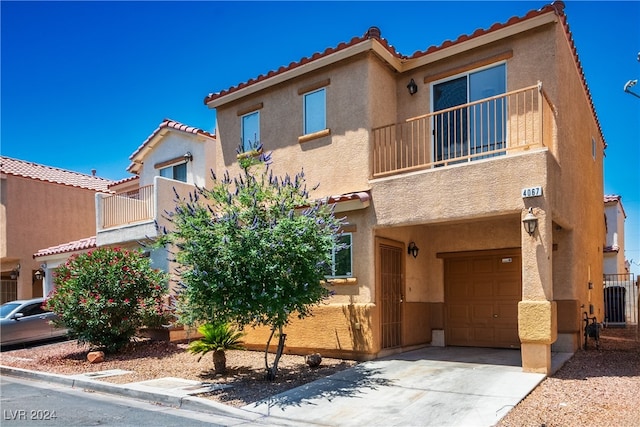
[(482, 292)]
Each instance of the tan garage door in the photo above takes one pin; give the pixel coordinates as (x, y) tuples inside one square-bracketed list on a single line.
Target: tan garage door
[(482, 291)]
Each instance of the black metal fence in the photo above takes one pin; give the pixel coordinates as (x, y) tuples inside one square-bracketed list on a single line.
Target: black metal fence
[(620, 299)]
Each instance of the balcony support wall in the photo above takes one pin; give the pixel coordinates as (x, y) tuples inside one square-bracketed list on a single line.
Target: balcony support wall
[(537, 312)]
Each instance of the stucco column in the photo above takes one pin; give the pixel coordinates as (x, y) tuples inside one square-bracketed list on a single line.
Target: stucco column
[(537, 314)]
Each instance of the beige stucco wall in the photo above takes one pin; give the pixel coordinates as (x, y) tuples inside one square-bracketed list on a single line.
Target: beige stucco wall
[(579, 183), (339, 162), (39, 215), (174, 144)]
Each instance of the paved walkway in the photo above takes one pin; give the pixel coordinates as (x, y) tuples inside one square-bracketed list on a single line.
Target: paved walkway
[(434, 386)]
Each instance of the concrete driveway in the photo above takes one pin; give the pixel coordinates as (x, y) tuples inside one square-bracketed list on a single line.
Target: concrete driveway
[(434, 386)]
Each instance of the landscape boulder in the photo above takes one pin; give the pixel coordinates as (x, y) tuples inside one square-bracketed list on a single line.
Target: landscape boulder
[(313, 360), (95, 356)]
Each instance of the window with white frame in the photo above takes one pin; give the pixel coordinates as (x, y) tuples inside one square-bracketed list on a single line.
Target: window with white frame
[(177, 172), (315, 111), (341, 258), (250, 131)]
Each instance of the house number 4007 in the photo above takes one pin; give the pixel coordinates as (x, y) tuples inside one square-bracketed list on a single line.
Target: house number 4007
[(532, 192)]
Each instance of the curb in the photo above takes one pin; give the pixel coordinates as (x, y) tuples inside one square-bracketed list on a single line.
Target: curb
[(191, 403)]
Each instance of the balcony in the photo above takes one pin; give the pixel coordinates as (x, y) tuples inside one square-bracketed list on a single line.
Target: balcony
[(128, 208), (497, 126), (132, 215)]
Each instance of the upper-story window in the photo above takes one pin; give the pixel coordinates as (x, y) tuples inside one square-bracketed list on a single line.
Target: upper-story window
[(594, 153), (177, 172), (250, 131), (477, 128), (341, 258), (315, 111)]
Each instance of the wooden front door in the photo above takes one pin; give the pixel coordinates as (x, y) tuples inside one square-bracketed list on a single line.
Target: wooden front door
[(390, 278)]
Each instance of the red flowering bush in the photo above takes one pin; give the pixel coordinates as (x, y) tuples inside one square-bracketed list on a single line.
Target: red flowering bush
[(103, 295)]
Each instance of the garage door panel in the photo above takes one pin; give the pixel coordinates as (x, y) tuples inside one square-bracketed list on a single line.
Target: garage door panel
[(460, 314), (506, 312), (507, 287), (479, 289), (482, 314), (483, 336), (462, 291), (481, 300), (482, 265), (459, 336), (507, 338), (459, 266)]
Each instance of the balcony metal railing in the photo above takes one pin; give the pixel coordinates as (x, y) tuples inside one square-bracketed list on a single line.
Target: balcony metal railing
[(129, 207), (490, 127)]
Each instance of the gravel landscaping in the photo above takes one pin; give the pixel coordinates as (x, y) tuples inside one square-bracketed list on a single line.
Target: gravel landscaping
[(596, 387)]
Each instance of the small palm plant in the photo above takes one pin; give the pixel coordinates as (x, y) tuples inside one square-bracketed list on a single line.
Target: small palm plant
[(217, 337)]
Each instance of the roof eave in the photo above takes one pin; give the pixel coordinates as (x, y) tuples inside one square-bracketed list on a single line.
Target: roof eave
[(364, 46), (481, 40)]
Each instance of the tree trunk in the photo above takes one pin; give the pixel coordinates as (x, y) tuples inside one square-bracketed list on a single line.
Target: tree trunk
[(219, 362), (272, 371)]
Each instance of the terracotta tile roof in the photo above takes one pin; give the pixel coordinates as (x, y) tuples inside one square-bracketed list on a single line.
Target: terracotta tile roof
[(363, 196), (556, 7), (612, 198), (123, 180), (611, 249), (44, 173), (78, 245), (167, 124)]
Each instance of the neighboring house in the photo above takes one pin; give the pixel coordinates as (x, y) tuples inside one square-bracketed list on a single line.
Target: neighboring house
[(50, 258), (614, 260), (174, 158), (41, 206), (437, 160), (620, 287)]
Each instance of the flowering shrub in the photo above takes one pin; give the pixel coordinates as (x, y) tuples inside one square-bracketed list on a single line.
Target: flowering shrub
[(252, 250), (103, 295)]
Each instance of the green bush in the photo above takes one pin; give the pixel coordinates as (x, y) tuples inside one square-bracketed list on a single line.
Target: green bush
[(103, 295)]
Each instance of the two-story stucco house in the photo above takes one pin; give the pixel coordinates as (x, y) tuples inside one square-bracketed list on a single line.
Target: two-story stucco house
[(440, 161), (41, 206), (620, 287), (172, 160)]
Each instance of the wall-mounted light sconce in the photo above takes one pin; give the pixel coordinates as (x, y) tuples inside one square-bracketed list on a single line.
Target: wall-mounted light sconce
[(530, 222), (412, 249), (15, 273), (39, 274), (412, 87), (188, 156)]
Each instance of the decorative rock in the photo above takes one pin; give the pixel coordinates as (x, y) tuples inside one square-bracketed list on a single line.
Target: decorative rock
[(95, 356), (313, 360)]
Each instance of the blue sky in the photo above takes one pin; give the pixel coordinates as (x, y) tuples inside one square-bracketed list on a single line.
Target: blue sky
[(84, 83)]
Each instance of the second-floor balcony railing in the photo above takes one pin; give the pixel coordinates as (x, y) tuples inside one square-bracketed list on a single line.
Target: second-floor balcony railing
[(129, 207), (490, 127)]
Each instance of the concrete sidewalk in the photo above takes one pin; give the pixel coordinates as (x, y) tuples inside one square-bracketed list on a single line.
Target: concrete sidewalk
[(433, 386)]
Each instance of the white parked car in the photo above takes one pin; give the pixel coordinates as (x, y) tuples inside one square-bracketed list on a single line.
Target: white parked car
[(24, 321)]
